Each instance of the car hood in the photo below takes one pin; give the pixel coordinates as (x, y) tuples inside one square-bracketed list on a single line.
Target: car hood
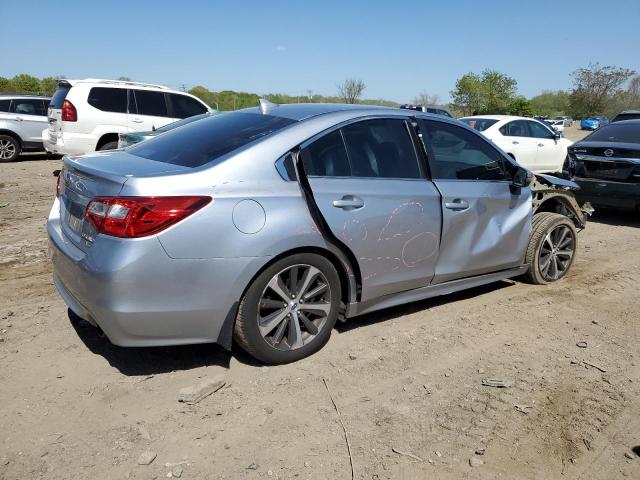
[(557, 182), (598, 144)]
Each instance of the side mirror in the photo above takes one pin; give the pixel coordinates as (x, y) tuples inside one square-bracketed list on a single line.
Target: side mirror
[(522, 178), (557, 135)]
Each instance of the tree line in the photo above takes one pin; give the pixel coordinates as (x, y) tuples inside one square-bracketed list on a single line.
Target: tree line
[(596, 90)]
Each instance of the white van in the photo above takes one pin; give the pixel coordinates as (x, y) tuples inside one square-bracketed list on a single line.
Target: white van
[(87, 115)]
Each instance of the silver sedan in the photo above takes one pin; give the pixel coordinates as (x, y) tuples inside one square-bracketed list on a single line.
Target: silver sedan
[(268, 225)]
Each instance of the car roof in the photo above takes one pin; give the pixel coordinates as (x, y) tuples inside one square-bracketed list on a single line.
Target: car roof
[(24, 95), (631, 121), (498, 117), (104, 81), (302, 111), (629, 112)]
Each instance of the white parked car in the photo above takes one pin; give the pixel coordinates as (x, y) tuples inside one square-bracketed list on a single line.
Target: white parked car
[(558, 125), (87, 115), (531, 143)]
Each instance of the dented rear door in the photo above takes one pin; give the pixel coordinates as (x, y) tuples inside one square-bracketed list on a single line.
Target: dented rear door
[(371, 192)]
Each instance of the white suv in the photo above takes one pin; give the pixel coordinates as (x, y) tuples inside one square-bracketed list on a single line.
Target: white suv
[(88, 115)]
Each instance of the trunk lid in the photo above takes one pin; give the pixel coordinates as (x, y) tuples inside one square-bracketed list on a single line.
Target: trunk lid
[(85, 177), (613, 161)]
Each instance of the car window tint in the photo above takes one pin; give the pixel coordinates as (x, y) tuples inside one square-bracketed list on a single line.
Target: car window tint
[(539, 131), (479, 124), (184, 106), (517, 128), (4, 105), (27, 106), (616, 132), (108, 99), (205, 141), (151, 103), (456, 153), (327, 157), (381, 148), (61, 93)]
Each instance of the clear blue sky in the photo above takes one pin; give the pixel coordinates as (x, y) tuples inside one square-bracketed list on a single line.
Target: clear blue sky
[(398, 48)]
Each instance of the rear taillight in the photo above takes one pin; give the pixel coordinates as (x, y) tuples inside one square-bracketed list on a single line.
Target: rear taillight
[(58, 185), (69, 112), (133, 217)]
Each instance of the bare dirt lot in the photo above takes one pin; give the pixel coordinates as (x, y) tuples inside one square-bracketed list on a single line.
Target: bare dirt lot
[(72, 406)]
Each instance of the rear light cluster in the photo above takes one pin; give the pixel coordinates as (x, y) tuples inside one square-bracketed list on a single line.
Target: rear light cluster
[(134, 217), (69, 112)]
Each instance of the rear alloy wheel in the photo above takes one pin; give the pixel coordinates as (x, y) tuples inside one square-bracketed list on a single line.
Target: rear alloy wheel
[(289, 310), (9, 148), (551, 249)]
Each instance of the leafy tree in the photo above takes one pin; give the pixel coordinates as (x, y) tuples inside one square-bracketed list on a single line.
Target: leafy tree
[(5, 84), (550, 103), (521, 107), (48, 86), (594, 86), (24, 83), (468, 96), (351, 90)]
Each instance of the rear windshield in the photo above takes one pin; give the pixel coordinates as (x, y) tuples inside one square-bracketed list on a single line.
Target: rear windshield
[(60, 95), (202, 142), (626, 116), (179, 123), (616, 132), (479, 124)]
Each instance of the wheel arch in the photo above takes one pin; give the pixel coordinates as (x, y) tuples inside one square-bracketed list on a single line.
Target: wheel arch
[(12, 134), (106, 138), (348, 285)]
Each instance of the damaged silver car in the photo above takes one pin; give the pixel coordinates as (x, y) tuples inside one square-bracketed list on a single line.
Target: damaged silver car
[(269, 224)]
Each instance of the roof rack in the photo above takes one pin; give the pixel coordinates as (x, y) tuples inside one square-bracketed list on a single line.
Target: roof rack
[(10, 94), (122, 82)]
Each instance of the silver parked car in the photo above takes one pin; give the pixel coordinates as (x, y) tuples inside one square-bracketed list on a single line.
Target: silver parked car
[(269, 224), (22, 119)]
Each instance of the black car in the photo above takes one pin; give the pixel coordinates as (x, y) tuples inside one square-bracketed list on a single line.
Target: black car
[(627, 115), (606, 165)]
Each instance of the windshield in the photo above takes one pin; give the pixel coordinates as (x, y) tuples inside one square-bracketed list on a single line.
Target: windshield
[(616, 132), (202, 142), (479, 124)]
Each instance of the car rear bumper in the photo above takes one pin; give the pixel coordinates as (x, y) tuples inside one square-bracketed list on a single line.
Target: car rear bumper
[(609, 193), (66, 143), (139, 296)]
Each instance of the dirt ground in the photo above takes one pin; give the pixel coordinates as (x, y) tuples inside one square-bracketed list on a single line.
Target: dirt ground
[(72, 406)]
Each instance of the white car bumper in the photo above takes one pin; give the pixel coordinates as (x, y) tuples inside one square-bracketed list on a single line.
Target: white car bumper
[(66, 143)]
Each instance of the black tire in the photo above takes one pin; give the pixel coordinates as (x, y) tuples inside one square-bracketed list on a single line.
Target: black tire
[(109, 146), (9, 149), (247, 331), (543, 224)]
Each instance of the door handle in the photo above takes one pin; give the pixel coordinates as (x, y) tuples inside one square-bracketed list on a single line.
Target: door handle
[(457, 204), (541, 144), (137, 120), (515, 142), (18, 119), (349, 202)]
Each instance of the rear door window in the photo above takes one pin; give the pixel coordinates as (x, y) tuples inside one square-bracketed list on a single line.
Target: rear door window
[(151, 103), (4, 105), (184, 106), (517, 128), (108, 99), (381, 148), (27, 106), (456, 153), (327, 157)]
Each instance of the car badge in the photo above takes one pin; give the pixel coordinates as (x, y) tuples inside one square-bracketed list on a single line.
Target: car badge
[(608, 152)]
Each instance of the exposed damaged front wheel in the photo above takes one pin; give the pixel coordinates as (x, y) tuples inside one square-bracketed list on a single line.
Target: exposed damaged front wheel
[(551, 249)]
